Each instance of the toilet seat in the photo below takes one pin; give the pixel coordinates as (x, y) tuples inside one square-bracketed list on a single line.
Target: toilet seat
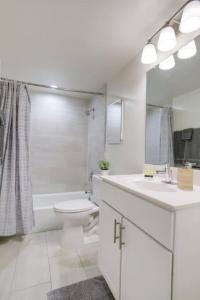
[(77, 217), (74, 206)]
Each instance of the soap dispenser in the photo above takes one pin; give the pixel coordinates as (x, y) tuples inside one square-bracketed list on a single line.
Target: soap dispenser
[(149, 171)]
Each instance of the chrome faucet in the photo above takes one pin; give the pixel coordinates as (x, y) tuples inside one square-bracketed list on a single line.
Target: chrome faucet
[(168, 178)]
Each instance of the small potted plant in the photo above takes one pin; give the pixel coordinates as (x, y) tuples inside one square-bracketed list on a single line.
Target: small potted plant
[(104, 167)]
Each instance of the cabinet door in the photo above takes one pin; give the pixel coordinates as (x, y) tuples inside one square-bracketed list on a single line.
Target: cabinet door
[(109, 252), (146, 267)]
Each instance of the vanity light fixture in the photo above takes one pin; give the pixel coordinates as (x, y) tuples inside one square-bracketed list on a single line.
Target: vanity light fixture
[(53, 86), (168, 63), (190, 20), (149, 54), (167, 39), (188, 50)]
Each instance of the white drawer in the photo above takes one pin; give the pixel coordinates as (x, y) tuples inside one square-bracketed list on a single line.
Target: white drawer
[(154, 220)]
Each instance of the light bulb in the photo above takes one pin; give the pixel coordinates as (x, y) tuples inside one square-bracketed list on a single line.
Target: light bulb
[(190, 20), (167, 39), (168, 63), (187, 51), (149, 54)]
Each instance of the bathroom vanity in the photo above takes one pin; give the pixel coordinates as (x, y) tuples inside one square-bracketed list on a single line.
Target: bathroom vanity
[(149, 238)]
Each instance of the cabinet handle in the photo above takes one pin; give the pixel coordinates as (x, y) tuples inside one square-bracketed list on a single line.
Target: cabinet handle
[(121, 243), (115, 230)]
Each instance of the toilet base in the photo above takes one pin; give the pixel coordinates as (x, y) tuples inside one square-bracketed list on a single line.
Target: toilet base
[(71, 238), (74, 240)]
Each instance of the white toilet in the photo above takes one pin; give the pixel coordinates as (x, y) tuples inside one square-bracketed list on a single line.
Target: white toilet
[(74, 214)]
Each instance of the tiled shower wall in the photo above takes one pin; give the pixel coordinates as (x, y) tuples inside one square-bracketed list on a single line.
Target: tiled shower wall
[(96, 134), (59, 134)]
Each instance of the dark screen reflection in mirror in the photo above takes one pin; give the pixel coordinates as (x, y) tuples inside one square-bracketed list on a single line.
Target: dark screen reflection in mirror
[(173, 113)]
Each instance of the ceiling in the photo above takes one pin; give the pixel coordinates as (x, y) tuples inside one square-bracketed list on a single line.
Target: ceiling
[(77, 44)]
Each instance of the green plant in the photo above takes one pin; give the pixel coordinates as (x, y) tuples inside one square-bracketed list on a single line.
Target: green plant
[(104, 165)]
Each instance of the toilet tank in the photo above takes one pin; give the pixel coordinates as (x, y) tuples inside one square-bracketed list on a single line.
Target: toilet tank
[(96, 196)]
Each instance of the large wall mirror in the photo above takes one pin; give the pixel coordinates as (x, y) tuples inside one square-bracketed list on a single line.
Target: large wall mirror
[(173, 113), (115, 122)]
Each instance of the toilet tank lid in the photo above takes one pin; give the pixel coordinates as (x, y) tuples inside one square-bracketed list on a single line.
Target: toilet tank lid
[(77, 205)]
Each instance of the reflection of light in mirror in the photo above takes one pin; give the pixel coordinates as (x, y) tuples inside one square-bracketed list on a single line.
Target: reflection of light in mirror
[(53, 86), (167, 39), (149, 54), (190, 20), (168, 63), (188, 50)]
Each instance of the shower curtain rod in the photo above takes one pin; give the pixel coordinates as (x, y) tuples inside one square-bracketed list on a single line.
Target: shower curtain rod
[(153, 105), (50, 87)]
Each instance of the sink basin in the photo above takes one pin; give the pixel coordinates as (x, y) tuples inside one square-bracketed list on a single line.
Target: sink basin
[(154, 186)]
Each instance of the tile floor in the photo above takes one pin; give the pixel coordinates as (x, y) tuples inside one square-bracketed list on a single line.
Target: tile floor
[(31, 266)]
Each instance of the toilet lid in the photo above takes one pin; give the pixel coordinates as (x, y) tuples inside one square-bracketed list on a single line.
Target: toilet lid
[(74, 205)]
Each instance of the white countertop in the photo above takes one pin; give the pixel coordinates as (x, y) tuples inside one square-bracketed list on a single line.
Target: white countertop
[(167, 196)]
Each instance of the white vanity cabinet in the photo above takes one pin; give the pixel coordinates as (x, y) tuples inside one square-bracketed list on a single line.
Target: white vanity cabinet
[(147, 250), (109, 251), (133, 264), (145, 266)]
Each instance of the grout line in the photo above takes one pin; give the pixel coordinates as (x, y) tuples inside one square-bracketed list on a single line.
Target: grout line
[(27, 239), (29, 287), (15, 268), (48, 259), (82, 265), (85, 266)]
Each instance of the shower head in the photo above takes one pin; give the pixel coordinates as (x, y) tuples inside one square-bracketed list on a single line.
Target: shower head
[(89, 111)]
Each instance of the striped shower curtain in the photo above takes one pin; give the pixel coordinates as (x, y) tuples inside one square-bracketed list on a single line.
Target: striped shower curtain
[(16, 205), (159, 136)]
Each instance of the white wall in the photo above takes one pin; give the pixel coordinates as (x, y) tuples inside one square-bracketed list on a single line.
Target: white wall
[(130, 85), (186, 110), (59, 128)]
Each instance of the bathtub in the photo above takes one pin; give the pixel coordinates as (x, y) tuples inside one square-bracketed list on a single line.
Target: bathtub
[(45, 218)]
